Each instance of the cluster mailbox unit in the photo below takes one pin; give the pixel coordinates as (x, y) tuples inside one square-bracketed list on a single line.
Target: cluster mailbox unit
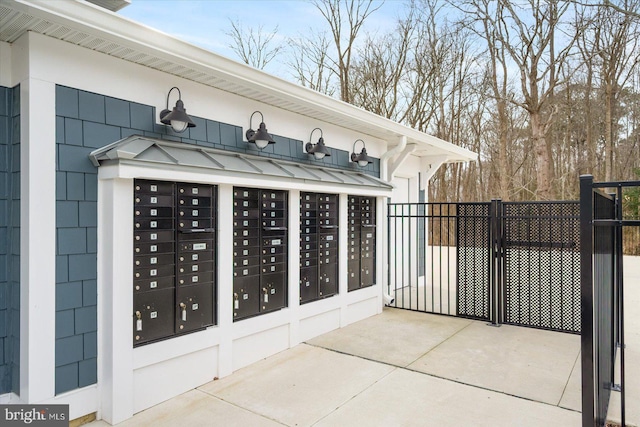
[(318, 246), (362, 235), (174, 259), (260, 251)]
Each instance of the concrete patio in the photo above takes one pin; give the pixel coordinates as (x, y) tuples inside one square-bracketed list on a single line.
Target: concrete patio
[(404, 368)]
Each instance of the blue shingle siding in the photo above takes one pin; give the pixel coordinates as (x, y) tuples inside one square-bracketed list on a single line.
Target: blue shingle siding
[(87, 123), (9, 239)]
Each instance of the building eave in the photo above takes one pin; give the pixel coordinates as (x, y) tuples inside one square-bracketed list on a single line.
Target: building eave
[(84, 24)]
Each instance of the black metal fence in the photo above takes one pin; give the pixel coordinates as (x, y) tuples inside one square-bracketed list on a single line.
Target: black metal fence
[(602, 226), (515, 263)]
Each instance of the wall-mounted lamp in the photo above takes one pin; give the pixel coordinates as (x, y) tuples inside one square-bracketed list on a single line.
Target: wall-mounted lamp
[(318, 150), (261, 137), (362, 159), (177, 118)]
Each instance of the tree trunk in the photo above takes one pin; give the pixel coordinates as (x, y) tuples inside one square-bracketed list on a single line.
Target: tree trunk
[(543, 159)]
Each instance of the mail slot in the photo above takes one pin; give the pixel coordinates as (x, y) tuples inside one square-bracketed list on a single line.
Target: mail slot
[(153, 260), (153, 248), (154, 283), (153, 223), (193, 202), (153, 187), (153, 200), (153, 237), (153, 212), (195, 190)]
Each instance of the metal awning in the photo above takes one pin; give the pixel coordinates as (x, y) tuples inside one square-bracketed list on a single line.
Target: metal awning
[(144, 150)]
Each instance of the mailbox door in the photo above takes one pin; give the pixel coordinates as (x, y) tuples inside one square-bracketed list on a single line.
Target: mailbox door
[(246, 297), (194, 307), (153, 315)]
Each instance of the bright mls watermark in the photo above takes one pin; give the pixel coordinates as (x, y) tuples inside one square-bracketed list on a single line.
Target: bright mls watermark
[(34, 415)]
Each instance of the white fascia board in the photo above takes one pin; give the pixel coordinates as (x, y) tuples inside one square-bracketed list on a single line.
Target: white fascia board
[(79, 14)]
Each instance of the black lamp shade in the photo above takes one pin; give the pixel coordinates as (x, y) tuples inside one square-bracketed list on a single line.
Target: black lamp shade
[(318, 150), (178, 118), (260, 137), (362, 159)]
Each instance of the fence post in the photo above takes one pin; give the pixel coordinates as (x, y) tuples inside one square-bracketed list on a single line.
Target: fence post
[(586, 300), (495, 226)]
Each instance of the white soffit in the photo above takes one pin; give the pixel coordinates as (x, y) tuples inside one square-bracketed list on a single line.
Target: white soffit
[(89, 26), (143, 150)]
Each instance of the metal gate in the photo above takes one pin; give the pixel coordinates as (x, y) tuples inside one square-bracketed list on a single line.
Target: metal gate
[(516, 262), (602, 340)]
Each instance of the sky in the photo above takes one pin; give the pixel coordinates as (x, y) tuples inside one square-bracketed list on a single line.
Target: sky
[(205, 22)]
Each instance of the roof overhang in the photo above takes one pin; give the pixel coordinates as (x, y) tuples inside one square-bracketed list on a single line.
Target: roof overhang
[(180, 157), (89, 26)]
